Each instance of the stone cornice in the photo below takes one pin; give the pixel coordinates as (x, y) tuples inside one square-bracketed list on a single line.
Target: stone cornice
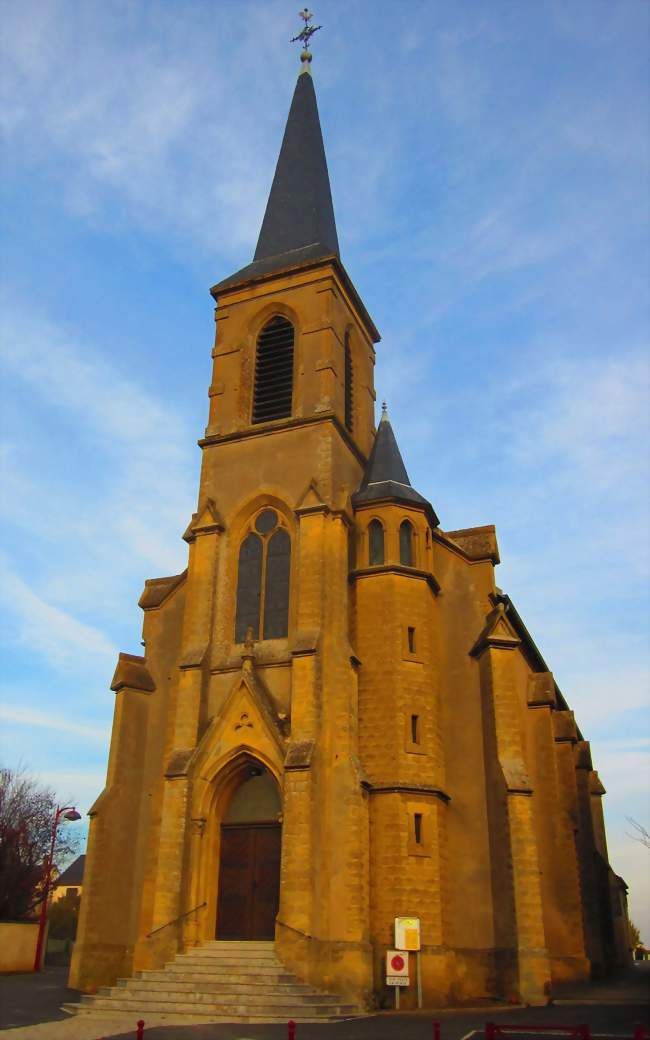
[(400, 788), (279, 426), (132, 673), (396, 568)]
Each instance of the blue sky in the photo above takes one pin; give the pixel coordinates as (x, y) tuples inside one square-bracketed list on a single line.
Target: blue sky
[(489, 167)]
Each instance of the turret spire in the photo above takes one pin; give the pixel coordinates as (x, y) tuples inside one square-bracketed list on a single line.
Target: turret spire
[(385, 477)]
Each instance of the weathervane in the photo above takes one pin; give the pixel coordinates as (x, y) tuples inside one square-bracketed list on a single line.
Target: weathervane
[(306, 34)]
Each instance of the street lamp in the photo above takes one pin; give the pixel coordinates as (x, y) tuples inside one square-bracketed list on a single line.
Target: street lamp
[(68, 812)]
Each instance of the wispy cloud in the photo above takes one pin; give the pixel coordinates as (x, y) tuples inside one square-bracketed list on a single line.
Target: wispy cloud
[(49, 631), (32, 717), (130, 513)]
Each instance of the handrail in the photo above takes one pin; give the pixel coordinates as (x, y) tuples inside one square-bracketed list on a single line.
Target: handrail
[(179, 918)]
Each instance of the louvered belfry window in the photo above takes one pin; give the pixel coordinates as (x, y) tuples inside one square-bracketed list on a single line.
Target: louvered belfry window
[(349, 385), (274, 371)]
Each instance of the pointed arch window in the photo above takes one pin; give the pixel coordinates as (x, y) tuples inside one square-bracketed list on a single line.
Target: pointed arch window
[(263, 580), (375, 543), (406, 553), (349, 385), (273, 391)]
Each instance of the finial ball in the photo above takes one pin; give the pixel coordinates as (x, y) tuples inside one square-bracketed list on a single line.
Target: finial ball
[(306, 56)]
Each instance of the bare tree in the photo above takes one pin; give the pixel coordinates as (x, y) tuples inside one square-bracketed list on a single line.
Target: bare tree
[(642, 835), (26, 816)]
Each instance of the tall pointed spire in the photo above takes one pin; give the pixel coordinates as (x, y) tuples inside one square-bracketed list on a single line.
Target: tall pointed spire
[(299, 212), (385, 478), (299, 220)]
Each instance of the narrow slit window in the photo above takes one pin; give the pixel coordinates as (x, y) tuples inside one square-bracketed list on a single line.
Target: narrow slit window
[(349, 385), (406, 543), (273, 393), (415, 729), (417, 827), (375, 543), (411, 640)]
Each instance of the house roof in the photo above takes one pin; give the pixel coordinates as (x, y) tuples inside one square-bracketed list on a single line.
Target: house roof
[(72, 875)]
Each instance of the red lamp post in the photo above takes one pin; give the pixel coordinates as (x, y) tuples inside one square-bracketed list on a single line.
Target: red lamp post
[(68, 812)]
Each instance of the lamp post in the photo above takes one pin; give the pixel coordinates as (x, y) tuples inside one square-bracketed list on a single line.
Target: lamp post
[(68, 812)]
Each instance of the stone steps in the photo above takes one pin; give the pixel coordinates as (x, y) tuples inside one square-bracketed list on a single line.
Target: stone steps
[(222, 982), (250, 994), (215, 984)]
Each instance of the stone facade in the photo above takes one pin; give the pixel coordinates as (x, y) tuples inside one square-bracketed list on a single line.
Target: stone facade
[(427, 763)]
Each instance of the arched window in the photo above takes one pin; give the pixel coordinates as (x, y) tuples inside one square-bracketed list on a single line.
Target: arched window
[(263, 580), (375, 543), (406, 553), (349, 385), (274, 371)]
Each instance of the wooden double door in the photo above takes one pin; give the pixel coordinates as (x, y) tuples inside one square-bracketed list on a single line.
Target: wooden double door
[(249, 880)]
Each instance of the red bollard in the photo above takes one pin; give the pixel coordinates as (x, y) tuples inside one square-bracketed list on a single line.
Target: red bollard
[(291, 1030), (139, 1033), (436, 1031), (490, 1031), (584, 1032), (639, 1033)]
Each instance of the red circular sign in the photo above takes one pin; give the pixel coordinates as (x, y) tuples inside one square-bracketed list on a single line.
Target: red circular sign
[(397, 962)]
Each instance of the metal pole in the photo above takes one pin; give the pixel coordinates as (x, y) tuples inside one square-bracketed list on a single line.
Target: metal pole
[(436, 1031), (397, 998), (46, 888), (418, 974)]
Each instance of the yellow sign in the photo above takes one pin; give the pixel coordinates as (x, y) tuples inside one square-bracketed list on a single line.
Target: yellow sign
[(407, 933)]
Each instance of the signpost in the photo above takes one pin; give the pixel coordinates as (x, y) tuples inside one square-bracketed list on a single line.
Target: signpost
[(407, 937), (397, 971)]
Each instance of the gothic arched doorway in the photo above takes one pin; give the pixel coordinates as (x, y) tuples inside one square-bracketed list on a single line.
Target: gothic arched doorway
[(249, 859)]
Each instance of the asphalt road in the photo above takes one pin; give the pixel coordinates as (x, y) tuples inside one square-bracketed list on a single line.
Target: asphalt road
[(31, 999)]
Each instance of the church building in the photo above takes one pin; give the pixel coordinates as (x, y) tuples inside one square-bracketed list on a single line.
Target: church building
[(338, 717)]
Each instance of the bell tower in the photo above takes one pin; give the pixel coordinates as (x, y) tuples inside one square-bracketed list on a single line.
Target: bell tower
[(293, 376)]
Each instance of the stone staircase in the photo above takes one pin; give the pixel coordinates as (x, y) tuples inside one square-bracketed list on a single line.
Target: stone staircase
[(221, 982)]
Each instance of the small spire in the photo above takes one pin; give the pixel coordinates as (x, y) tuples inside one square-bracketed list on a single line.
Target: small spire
[(305, 36)]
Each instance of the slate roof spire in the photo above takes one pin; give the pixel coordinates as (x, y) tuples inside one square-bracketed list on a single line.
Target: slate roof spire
[(299, 212), (298, 224), (385, 477)]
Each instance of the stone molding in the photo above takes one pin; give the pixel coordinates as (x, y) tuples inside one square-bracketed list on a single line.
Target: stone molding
[(279, 426), (132, 672), (399, 788), (541, 690), (497, 633), (156, 590), (396, 568), (476, 543), (299, 756)]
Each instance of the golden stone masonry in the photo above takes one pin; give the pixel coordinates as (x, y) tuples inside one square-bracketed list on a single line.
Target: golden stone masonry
[(339, 718)]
